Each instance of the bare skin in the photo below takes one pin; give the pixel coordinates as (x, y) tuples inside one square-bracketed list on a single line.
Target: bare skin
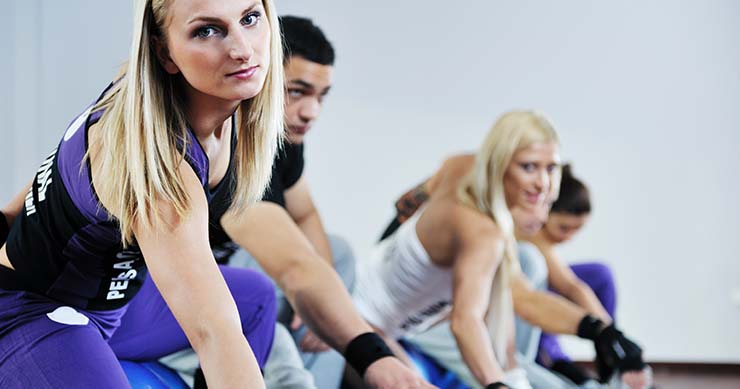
[(292, 246), (533, 305), (176, 250), (311, 286), (560, 228), (469, 242), (218, 340), (307, 85), (183, 268), (551, 312), (178, 255), (560, 276), (206, 43)]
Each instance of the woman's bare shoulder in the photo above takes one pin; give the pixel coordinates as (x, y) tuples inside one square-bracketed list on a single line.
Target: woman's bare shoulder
[(468, 224), (458, 162), (452, 170)]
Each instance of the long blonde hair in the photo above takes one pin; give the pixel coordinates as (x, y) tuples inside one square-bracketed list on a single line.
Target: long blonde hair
[(145, 127), (483, 188)]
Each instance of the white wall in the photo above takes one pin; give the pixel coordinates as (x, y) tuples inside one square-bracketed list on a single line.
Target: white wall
[(59, 56), (644, 95)]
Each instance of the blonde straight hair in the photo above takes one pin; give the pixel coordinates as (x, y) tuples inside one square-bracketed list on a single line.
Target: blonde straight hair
[(483, 188), (145, 130)]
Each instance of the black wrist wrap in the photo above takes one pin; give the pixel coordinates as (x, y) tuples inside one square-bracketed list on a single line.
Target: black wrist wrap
[(496, 385), (365, 349), (590, 327), (4, 229)]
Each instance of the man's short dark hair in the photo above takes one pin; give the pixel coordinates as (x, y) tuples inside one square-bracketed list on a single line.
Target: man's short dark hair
[(302, 38)]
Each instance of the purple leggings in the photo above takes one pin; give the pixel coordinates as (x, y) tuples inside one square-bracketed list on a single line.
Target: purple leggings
[(38, 352), (599, 278)]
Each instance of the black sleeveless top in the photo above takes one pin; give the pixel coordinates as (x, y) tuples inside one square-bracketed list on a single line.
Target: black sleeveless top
[(287, 169)]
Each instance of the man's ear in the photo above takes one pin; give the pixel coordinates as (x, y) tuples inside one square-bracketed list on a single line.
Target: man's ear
[(163, 56)]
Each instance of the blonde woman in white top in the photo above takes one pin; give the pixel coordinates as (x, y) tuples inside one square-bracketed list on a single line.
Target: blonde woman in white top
[(455, 256)]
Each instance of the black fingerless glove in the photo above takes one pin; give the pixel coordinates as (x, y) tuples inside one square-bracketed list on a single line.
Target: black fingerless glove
[(497, 385), (4, 229), (365, 349), (617, 350), (613, 349)]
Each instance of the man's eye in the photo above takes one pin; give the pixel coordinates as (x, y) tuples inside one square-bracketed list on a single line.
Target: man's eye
[(295, 92)]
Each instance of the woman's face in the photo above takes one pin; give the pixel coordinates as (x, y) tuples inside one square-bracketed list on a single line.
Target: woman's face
[(221, 47), (528, 181), (560, 227)]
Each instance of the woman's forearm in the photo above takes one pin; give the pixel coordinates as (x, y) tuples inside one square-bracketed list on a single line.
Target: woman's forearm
[(228, 362), (583, 296), (476, 348), (552, 313)]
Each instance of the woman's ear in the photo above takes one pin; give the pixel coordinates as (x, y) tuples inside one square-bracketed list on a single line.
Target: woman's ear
[(163, 56)]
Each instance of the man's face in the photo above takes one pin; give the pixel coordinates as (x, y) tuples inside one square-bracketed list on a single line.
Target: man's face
[(307, 83)]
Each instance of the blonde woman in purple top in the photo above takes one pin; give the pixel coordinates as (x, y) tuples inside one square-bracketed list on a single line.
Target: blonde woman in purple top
[(128, 188)]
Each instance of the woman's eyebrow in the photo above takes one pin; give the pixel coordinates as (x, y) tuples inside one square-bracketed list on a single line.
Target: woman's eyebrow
[(213, 19)]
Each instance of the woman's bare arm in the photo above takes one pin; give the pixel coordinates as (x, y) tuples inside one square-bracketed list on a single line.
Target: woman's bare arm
[(479, 255), (182, 266), (561, 278), (311, 285), (546, 310)]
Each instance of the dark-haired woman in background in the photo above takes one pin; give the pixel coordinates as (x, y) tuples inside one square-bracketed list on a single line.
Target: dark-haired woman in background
[(589, 285)]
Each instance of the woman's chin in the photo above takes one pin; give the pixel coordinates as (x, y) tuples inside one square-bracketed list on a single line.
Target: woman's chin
[(241, 95)]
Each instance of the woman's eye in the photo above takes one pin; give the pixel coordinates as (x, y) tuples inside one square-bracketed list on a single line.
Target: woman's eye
[(551, 168), (528, 167), (206, 32), (251, 18)]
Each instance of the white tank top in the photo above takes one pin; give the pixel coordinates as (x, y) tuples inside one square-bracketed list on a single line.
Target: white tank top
[(399, 290)]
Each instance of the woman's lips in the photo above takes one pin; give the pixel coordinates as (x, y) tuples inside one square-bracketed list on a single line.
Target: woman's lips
[(299, 130), (532, 198), (244, 74)]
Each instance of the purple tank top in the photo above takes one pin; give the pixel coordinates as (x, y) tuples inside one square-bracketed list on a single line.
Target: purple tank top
[(65, 245)]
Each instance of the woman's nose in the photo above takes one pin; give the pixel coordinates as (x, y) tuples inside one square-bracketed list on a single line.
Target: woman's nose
[(241, 48)]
